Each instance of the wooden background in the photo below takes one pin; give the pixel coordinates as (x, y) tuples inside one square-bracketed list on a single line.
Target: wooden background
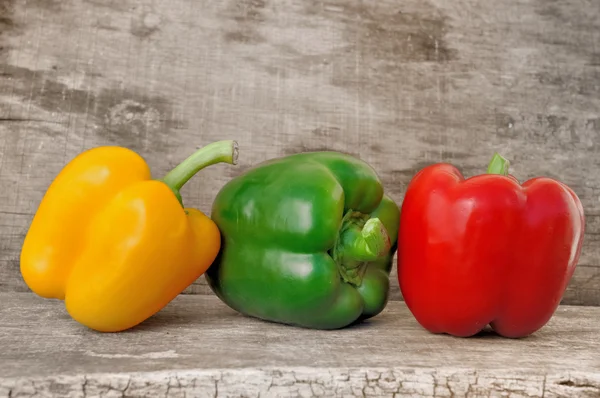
[(401, 84)]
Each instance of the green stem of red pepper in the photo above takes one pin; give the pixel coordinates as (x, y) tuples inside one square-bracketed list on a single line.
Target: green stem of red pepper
[(498, 165), (216, 152), (361, 240)]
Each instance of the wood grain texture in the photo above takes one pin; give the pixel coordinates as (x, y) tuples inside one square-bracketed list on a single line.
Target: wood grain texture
[(399, 84), (199, 347)]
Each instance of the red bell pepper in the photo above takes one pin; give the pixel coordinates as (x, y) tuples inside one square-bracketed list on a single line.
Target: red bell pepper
[(486, 250)]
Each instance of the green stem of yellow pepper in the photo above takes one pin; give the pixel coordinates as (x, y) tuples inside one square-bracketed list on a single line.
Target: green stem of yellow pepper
[(216, 152)]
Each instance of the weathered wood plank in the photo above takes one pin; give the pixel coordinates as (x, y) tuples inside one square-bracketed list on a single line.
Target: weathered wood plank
[(199, 347), (400, 84), (314, 382)]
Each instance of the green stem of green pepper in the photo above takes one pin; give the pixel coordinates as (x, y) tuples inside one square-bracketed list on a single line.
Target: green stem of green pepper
[(361, 240), (216, 152), (498, 165), (367, 244)]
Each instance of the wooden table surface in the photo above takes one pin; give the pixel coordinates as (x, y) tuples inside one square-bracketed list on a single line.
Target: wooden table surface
[(199, 347)]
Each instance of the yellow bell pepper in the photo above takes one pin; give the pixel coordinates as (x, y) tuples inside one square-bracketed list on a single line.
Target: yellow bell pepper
[(116, 245)]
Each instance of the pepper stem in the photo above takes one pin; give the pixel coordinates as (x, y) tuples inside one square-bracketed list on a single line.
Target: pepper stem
[(216, 152), (361, 240), (498, 165), (366, 245)]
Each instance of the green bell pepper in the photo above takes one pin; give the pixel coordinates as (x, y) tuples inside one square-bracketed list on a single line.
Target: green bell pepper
[(307, 240)]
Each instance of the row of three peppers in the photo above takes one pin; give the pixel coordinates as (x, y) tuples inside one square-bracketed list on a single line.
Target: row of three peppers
[(305, 240)]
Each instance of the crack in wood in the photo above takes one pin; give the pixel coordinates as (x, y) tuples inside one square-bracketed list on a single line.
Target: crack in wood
[(585, 385), (26, 120), (15, 213)]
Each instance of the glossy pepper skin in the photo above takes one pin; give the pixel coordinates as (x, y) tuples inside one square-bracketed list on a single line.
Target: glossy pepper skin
[(116, 245), (486, 250), (308, 240)]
